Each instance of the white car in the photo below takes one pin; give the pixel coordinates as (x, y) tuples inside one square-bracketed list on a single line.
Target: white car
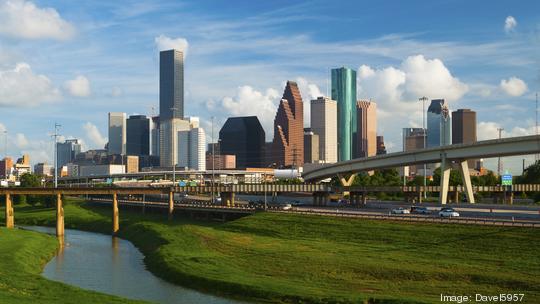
[(286, 207), (448, 212), (400, 210)]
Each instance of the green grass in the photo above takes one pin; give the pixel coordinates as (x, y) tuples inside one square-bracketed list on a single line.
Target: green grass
[(289, 258), (22, 256)]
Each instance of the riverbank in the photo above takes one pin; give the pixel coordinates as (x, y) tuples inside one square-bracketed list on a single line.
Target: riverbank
[(22, 256), (292, 258)]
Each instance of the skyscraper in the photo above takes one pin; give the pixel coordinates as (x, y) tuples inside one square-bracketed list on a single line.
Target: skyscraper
[(244, 138), (344, 92), (191, 146), (67, 151), (311, 146), (464, 130), (288, 144), (366, 128), (171, 85), (168, 140), (381, 148), (439, 124), (324, 123), (413, 139), (138, 135), (154, 136), (117, 133)]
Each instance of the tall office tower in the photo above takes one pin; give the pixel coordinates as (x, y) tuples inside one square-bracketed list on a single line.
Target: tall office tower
[(413, 139), (311, 146), (439, 124), (171, 85), (6, 167), (381, 148), (138, 135), (244, 138), (464, 130), (154, 136), (67, 151), (117, 133), (344, 92), (324, 123), (366, 128), (191, 146), (288, 143), (168, 140)]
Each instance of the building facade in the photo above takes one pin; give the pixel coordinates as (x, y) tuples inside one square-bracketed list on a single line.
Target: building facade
[(117, 133), (154, 136), (243, 137), (439, 124), (464, 131), (67, 151), (366, 112), (6, 167), (220, 162), (413, 139), (344, 92), (288, 143), (138, 135), (324, 123), (381, 148), (311, 146), (168, 140), (191, 147), (171, 85)]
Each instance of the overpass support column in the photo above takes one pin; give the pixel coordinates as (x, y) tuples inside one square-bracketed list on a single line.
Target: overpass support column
[(227, 198), (316, 199), (171, 204), (466, 178), (10, 220), (364, 198), (115, 215), (445, 179), (59, 216)]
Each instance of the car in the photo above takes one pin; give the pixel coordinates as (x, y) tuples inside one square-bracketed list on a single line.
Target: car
[(420, 210), (400, 210), (448, 212), (286, 206)]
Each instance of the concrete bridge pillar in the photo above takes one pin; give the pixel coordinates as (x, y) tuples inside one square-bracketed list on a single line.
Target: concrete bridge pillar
[(10, 219), (445, 180), (420, 196), (466, 178), (171, 204), (364, 198), (316, 199), (59, 216), (227, 198), (115, 215)]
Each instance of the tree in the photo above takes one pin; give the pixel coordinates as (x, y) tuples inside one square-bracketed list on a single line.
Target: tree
[(531, 175), (454, 180), (29, 180)]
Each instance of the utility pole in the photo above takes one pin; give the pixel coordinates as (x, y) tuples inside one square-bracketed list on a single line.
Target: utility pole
[(56, 135), (174, 147), (423, 99), (536, 156), (499, 164)]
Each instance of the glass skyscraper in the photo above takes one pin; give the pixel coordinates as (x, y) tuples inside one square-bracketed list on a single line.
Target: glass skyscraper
[(344, 92), (171, 84), (439, 124)]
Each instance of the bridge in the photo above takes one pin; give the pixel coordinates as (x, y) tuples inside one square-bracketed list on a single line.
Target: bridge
[(446, 155)]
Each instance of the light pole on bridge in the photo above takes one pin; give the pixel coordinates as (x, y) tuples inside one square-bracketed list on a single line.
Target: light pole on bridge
[(423, 99)]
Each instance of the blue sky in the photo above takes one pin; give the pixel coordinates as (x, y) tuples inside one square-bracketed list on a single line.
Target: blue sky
[(73, 62)]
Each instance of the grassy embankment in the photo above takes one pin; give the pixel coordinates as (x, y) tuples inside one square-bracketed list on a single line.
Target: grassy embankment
[(279, 257), (22, 256)]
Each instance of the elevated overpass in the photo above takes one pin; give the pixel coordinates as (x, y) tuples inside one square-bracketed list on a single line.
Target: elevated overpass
[(446, 155)]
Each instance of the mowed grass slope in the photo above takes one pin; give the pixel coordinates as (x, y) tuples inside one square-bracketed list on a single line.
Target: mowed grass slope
[(22, 256), (293, 258)]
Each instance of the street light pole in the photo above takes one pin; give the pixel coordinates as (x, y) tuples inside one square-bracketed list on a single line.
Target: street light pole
[(213, 161), (174, 147), (56, 127), (423, 99)]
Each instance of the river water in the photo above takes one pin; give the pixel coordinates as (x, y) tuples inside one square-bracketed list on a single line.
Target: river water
[(114, 266)]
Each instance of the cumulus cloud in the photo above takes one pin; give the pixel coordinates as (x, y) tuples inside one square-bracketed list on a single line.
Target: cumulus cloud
[(248, 102), (20, 86), (309, 91), (2, 128), (23, 19), (509, 24), (93, 134), (513, 86), (21, 142), (166, 43), (78, 87)]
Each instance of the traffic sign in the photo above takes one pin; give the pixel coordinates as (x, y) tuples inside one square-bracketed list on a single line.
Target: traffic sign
[(506, 180)]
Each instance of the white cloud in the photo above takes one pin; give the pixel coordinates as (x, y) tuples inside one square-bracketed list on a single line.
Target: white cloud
[(166, 43), (23, 19), (308, 91), (21, 87), (2, 129), (249, 102), (20, 141), (93, 134), (509, 24), (430, 77), (384, 85), (79, 87), (513, 86)]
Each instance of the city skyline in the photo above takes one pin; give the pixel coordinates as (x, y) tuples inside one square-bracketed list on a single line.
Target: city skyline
[(85, 89)]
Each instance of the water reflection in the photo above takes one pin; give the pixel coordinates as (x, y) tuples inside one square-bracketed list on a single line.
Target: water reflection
[(94, 261)]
